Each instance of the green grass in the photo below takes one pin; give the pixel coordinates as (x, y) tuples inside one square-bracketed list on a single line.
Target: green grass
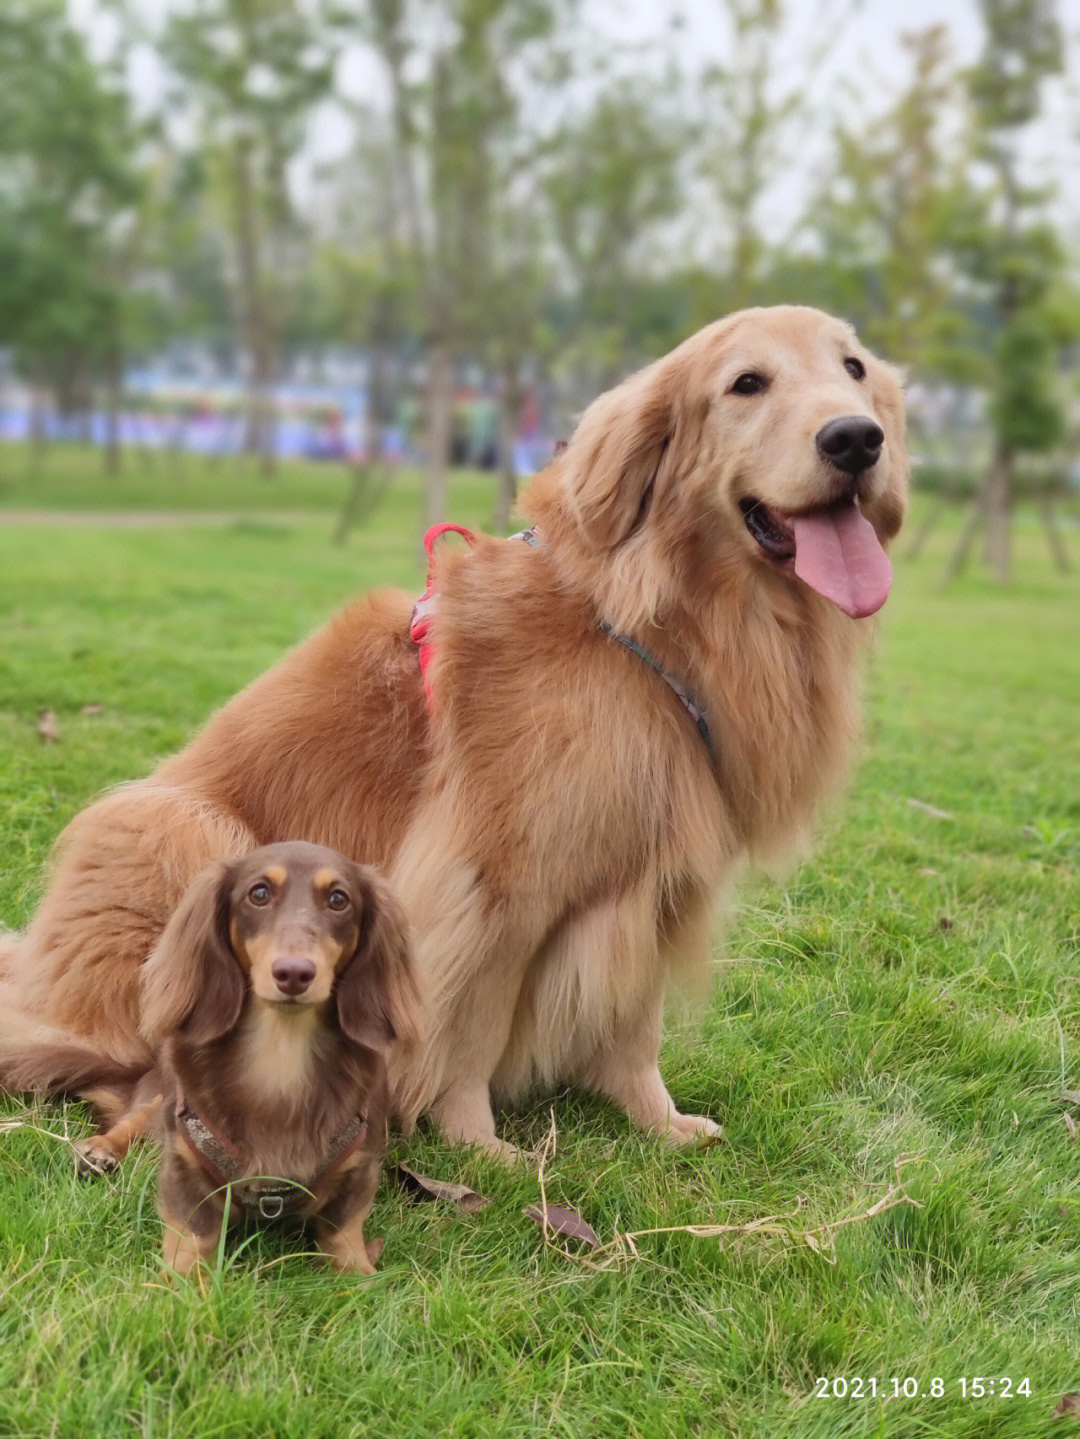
[(907, 1000), (71, 477)]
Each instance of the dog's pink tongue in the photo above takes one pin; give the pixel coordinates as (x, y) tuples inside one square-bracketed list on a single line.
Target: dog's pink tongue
[(838, 554)]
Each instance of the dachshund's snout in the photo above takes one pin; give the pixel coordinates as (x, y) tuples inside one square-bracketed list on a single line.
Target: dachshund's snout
[(293, 974), (852, 443)]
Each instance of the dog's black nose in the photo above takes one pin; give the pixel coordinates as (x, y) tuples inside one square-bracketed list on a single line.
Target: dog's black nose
[(852, 444), (292, 975)]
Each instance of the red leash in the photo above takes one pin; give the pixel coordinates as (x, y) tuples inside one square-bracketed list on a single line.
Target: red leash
[(426, 607)]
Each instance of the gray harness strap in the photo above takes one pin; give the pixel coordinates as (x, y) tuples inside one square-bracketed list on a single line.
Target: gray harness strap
[(693, 708), (224, 1164)]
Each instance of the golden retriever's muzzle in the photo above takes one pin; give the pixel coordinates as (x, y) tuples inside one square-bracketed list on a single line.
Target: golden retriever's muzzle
[(832, 547)]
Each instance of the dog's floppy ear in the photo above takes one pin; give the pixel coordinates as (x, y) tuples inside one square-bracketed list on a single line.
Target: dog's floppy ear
[(378, 1003), (192, 981), (615, 454)]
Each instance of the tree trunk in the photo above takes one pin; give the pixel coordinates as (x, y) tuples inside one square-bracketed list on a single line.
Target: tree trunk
[(510, 402), (370, 473), (1058, 553), (255, 321), (926, 529), (958, 559), (39, 432), (440, 426), (114, 381), (998, 501)]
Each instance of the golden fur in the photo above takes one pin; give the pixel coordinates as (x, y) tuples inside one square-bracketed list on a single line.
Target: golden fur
[(558, 833)]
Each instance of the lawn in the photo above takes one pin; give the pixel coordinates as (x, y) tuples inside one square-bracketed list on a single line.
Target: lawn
[(904, 1008), (70, 476)]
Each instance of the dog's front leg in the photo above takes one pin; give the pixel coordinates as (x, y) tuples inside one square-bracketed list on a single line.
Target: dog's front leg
[(625, 1066), (471, 955), (625, 1070), (192, 1216), (347, 1249), (104, 1151), (463, 1114), (182, 1247), (339, 1227)]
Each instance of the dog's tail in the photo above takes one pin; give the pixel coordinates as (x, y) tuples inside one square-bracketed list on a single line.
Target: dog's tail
[(38, 1058)]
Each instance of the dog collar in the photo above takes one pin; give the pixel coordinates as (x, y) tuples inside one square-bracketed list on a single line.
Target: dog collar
[(222, 1162)]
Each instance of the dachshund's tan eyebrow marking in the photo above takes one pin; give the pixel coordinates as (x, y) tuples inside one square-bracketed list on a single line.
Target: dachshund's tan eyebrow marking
[(276, 874), (324, 878)]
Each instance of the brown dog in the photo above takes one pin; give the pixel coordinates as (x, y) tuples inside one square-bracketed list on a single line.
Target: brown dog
[(270, 1000), (559, 832)]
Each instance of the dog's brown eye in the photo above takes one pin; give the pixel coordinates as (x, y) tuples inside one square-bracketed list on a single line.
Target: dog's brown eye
[(338, 899), (259, 893), (749, 384), (855, 368)]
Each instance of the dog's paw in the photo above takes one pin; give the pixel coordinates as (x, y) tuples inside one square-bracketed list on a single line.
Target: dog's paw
[(691, 1129), (94, 1156), (501, 1150), (354, 1258)]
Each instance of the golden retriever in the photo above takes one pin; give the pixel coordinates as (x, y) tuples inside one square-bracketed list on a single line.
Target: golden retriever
[(558, 830)]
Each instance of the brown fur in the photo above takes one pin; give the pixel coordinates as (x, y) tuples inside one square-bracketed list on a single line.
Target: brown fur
[(280, 1076), (558, 834)]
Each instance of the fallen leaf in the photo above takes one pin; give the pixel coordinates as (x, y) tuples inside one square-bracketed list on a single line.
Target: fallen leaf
[(420, 1187), (930, 809), (1068, 1404), (1070, 1096), (566, 1222), (92, 709), (46, 726), (1070, 1125)]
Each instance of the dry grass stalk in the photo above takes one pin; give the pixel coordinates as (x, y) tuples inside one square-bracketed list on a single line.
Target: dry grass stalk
[(624, 1247)]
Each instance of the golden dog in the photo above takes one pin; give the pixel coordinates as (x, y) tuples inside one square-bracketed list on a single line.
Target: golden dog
[(559, 831)]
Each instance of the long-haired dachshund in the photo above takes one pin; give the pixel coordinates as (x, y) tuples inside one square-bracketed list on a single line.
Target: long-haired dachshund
[(270, 999)]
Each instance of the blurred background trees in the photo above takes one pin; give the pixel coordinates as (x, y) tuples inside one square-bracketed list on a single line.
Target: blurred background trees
[(434, 229)]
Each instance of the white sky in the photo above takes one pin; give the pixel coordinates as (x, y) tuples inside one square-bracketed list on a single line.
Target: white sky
[(858, 42)]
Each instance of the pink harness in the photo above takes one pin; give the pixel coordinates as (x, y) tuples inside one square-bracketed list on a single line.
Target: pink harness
[(426, 607)]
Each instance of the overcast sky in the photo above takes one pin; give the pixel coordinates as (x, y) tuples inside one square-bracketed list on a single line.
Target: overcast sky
[(858, 42)]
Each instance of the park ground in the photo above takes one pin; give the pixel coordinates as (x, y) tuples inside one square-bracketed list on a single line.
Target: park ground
[(891, 1041)]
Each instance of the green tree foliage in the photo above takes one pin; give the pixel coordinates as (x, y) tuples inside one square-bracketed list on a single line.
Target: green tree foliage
[(744, 116), (1020, 258), (70, 188), (613, 178), (899, 218), (1025, 411), (467, 163), (250, 73)]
